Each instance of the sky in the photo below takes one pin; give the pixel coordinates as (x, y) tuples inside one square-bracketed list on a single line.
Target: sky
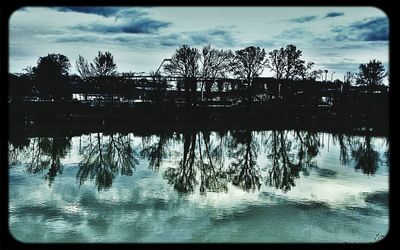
[(337, 39)]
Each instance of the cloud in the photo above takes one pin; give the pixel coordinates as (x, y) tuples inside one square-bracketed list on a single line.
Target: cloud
[(369, 29), (374, 29), (135, 25), (298, 36), (295, 34), (334, 14), (341, 66), (303, 19), (127, 20), (264, 43), (101, 11), (76, 39), (215, 37)]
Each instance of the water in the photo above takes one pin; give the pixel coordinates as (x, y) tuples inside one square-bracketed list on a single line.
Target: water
[(234, 186)]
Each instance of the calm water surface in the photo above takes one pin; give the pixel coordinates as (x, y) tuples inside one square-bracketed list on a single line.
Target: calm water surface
[(234, 186)]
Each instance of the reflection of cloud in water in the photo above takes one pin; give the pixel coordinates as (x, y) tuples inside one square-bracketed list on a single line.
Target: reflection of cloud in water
[(144, 207), (342, 192), (323, 172)]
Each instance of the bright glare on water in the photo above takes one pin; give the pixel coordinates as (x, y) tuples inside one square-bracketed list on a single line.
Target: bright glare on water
[(236, 186)]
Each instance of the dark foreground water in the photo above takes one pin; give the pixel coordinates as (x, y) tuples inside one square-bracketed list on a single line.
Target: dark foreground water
[(235, 186)]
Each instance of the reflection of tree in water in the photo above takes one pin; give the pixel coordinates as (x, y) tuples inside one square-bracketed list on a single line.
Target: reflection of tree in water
[(387, 153), (366, 158), (183, 177), (244, 171), (343, 148), (202, 162), (104, 157), (16, 149), (156, 152), (46, 153), (285, 167), (212, 175)]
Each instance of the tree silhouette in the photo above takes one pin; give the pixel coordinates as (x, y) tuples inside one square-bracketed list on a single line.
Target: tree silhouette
[(17, 147), (366, 158), (20, 86), (277, 62), (215, 63), (83, 68), (249, 63), (103, 65), (185, 63), (200, 166), (371, 73), (51, 75), (348, 78), (104, 158), (46, 153), (344, 143), (315, 74), (156, 152), (284, 169), (102, 72), (244, 171), (183, 177), (212, 177), (286, 63)]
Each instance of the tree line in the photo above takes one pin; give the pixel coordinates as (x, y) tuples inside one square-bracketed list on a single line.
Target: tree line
[(50, 77)]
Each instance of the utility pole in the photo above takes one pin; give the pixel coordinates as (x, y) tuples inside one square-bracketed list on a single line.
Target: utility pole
[(326, 74), (332, 75)]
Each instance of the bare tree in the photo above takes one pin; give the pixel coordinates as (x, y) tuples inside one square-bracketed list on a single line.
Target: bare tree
[(83, 68), (316, 74), (286, 63), (349, 78), (185, 63), (249, 63), (215, 63), (103, 65), (277, 62)]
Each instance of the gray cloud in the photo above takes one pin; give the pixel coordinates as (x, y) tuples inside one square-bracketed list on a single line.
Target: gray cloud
[(127, 20), (136, 25), (297, 36), (303, 19), (171, 40), (334, 14), (101, 11), (370, 29), (75, 39), (216, 37)]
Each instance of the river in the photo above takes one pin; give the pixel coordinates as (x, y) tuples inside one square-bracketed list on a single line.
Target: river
[(200, 186)]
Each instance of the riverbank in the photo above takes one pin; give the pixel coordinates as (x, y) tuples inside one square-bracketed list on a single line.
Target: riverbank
[(77, 118)]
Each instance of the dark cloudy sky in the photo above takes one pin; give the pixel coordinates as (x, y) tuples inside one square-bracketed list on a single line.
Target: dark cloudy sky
[(335, 38)]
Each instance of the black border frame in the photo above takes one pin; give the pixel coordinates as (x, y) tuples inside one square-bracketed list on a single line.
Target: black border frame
[(389, 7)]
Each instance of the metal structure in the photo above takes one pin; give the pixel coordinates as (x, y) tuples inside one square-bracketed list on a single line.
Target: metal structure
[(166, 59)]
